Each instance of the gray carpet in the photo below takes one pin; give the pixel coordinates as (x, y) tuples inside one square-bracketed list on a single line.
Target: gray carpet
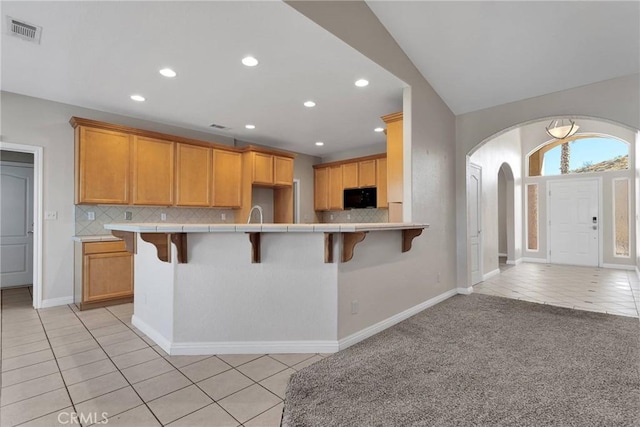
[(479, 361)]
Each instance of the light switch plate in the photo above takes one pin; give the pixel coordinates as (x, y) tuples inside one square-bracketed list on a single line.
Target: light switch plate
[(163, 216), (51, 215), (91, 216), (128, 215)]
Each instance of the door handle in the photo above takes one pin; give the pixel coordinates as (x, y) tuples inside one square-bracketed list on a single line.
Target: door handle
[(30, 232)]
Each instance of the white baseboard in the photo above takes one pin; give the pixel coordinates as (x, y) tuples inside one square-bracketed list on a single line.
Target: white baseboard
[(501, 254), (252, 347), (490, 274), (536, 260), (54, 302), (514, 262), (620, 266), (384, 324), (159, 339), (465, 291)]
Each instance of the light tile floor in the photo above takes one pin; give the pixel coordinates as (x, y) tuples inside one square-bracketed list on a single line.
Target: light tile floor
[(581, 288), (59, 360)]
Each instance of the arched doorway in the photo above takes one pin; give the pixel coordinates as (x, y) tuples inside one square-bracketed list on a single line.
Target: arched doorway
[(506, 215)]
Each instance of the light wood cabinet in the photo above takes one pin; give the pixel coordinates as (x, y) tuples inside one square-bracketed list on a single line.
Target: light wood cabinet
[(321, 189), (193, 175), (394, 157), (153, 168), (350, 175), (227, 179), (102, 166), (262, 168), (367, 173), (336, 188), (283, 171), (104, 274), (381, 181)]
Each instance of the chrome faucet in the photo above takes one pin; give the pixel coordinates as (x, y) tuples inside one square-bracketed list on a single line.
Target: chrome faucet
[(259, 208)]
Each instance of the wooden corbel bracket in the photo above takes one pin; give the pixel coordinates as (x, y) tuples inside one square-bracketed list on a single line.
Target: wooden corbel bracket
[(349, 241), (162, 242), (129, 238), (407, 237), (254, 238), (328, 248)]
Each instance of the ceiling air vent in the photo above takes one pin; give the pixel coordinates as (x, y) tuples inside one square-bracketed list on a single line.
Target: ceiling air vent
[(215, 126), (24, 30)]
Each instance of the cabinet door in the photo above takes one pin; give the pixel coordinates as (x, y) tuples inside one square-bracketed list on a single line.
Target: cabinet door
[(227, 178), (193, 175), (153, 168), (367, 173), (283, 170), (381, 183), (350, 175), (262, 169), (107, 276), (321, 189), (335, 188), (102, 166)]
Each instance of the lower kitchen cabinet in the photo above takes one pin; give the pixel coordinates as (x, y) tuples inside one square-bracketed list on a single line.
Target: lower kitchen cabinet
[(103, 274)]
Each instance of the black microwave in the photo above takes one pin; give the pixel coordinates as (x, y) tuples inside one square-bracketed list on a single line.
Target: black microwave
[(360, 198)]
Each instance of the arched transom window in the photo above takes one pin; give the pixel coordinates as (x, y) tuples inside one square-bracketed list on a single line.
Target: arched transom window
[(580, 154)]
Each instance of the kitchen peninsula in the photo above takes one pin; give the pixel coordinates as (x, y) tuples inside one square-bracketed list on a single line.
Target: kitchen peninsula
[(258, 288)]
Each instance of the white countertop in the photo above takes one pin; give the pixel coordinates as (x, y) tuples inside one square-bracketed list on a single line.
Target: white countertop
[(261, 228), (100, 238)]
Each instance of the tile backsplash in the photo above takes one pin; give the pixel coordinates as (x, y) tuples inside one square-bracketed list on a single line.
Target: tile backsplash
[(356, 215), (109, 214)]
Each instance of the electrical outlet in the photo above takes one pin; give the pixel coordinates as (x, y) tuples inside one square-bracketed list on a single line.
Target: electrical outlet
[(223, 216), (354, 307), (51, 215), (91, 216), (331, 216), (128, 215), (163, 216), (348, 216)]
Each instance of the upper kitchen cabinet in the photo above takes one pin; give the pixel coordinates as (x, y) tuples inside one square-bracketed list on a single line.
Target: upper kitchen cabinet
[(350, 175), (193, 175), (381, 182), (336, 188), (283, 171), (153, 168), (321, 189), (262, 171), (270, 170), (394, 165), (227, 179), (367, 173), (102, 166)]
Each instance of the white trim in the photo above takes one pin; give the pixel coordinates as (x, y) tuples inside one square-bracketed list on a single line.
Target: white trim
[(384, 324), (465, 291), (619, 266), (490, 274), (164, 343), (516, 262), (480, 217), (535, 260), (38, 162), (54, 302), (252, 347), (501, 254)]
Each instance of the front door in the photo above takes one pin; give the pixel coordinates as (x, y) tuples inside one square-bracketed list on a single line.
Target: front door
[(16, 225), (574, 222), (474, 189)]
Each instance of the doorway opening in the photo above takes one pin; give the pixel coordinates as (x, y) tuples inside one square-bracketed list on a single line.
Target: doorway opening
[(35, 210), (506, 217)]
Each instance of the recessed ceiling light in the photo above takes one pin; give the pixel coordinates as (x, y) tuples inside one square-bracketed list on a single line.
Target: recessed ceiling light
[(167, 72), (319, 143), (250, 126), (249, 61), (309, 104), (138, 98), (378, 130), (362, 83)]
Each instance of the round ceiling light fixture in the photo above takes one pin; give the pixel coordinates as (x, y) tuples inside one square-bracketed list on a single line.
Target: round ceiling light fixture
[(562, 128), (378, 130), (138, 98), (319, 143), (250, 126), (168, 72), (362, 83), (309, 104), (249, 61)]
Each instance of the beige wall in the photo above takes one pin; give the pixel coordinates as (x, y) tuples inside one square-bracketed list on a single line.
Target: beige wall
[(617, 100)]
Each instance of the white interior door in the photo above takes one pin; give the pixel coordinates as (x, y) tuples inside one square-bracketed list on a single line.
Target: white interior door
[(574, 221), (16, 225), (474, 191)]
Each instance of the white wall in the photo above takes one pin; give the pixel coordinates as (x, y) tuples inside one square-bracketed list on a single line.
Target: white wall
[(617, 100), (505, 148)]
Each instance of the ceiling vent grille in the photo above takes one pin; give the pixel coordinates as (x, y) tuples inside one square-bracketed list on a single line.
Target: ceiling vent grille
[(24, 30), (215, 126)]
